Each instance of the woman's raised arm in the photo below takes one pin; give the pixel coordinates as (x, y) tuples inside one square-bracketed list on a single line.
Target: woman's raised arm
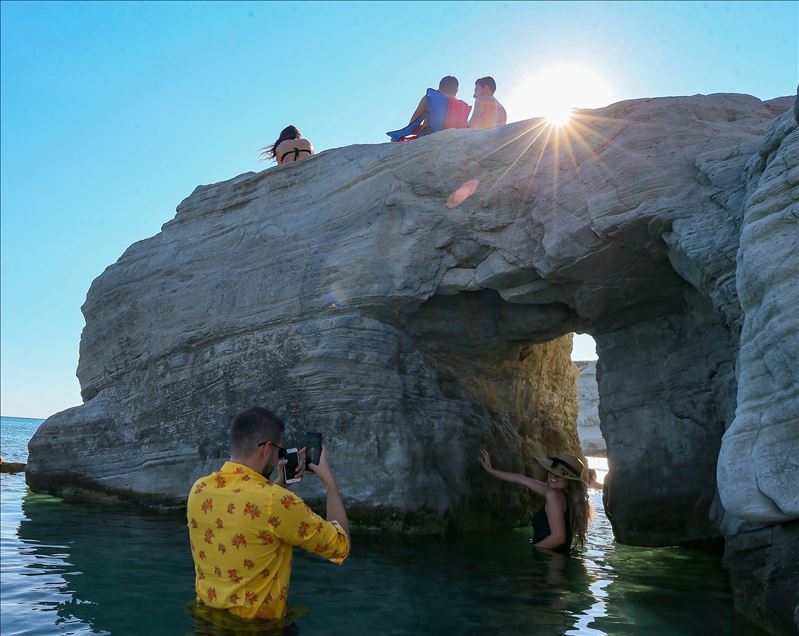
[(514, 478)]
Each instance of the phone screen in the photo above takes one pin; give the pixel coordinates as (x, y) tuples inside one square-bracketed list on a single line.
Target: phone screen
[(292, 461), (313, 443)]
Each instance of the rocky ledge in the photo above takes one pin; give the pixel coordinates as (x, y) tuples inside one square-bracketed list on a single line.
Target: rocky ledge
[(413, 303)]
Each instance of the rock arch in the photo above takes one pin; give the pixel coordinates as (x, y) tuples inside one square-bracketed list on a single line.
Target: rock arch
[(412, 301)]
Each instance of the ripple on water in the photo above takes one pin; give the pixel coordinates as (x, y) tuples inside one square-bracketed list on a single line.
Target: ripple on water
[(76, 569)]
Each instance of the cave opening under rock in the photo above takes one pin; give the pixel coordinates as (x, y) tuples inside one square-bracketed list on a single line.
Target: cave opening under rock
[(664, 383)]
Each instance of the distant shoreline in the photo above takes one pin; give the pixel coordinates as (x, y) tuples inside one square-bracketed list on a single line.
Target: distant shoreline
[(31, 419)]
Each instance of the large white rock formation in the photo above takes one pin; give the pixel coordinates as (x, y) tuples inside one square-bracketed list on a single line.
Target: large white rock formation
[(588, 430), (408, 300)]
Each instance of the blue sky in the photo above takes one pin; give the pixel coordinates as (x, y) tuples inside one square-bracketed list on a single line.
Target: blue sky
[(112, 113)]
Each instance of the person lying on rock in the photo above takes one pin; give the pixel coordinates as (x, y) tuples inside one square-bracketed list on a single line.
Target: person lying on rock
[(488, 112), (567, 510), (289, 147), (243, 527)]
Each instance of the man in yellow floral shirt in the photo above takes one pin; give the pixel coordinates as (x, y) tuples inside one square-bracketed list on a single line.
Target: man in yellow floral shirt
[(243, 527)]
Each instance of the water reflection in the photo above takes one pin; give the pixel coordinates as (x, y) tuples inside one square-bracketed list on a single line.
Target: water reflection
[(218, 622), (119, 570), (656, 590), (87, 569)]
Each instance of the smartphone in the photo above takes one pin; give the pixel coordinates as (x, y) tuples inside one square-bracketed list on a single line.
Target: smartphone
[(290, 467), (313, 446)]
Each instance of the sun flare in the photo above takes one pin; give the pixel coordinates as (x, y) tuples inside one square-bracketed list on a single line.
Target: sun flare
[(555, 91), (558, 115)]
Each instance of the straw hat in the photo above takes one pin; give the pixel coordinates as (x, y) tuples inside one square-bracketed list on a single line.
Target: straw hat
[(563, 465)]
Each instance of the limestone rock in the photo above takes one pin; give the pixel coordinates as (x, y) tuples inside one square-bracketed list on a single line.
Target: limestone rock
[(413, 303), (764, 569), (359, 294), (758, 467), (665, 387), (591, 440)]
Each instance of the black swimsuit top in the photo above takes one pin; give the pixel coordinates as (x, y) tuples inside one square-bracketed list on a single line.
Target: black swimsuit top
[(296, 153), (541, 528)]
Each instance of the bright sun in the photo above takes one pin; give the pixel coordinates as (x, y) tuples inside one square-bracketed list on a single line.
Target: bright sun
[(556, 91)]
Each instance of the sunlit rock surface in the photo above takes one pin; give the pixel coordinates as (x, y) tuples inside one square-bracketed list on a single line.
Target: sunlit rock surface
[(758, 479), (397, 298), (591, 440), (758, 464)]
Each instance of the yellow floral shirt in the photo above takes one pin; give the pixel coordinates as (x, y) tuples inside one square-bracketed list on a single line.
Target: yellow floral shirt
[(242, 528)]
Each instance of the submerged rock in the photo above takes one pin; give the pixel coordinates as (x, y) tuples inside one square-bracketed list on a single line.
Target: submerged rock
[(412, 302), (12, 467)]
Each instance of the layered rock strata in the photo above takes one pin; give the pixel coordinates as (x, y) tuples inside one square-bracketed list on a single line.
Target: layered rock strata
[(758, 464), (666, 396), (410, 301)]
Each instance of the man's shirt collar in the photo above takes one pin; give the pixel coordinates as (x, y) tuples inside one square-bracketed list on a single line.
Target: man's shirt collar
[(240, 469)]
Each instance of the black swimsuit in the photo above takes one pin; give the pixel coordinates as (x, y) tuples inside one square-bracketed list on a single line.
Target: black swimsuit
[(541, 528), (296, 152)]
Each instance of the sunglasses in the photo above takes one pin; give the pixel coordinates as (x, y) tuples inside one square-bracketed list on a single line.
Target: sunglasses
[(281, 452)]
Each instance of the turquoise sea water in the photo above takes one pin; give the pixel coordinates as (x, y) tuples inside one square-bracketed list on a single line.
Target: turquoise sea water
[(81, 569)]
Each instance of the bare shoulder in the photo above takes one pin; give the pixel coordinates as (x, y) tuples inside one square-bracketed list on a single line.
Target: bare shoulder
[(501, 108), (556, 496)]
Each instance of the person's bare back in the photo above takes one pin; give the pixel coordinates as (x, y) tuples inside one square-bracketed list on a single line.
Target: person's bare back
[(293, 150)]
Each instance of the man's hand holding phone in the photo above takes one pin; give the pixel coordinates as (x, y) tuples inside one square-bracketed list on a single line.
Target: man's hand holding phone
[(335, 507), (294, 465), (322, 469)]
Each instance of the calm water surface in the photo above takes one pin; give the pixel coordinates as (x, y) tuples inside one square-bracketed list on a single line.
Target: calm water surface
[(78, 569)]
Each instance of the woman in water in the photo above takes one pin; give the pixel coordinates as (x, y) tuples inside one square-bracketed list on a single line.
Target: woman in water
[(567, 511), (289, 147)]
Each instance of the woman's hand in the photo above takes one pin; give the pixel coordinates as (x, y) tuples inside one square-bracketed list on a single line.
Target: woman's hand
[(485, 461)]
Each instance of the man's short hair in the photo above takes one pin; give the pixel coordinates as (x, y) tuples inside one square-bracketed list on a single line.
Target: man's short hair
[(487, 81), (448, 84), (253, 426)]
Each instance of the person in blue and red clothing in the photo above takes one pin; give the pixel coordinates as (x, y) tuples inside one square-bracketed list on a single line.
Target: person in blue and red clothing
[(437, 110)]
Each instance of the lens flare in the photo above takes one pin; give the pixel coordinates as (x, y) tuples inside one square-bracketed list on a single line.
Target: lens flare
[(336, 297), (553, 92), (462, 193), (559, 116)]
